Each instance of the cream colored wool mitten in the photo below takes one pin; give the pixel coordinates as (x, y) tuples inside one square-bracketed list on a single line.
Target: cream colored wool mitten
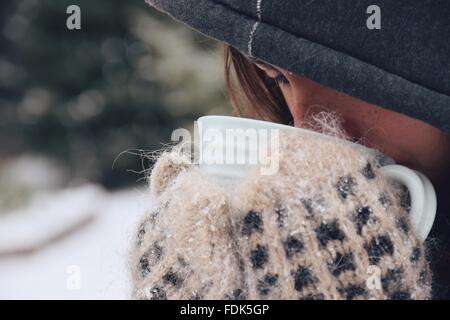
[(328, 225)]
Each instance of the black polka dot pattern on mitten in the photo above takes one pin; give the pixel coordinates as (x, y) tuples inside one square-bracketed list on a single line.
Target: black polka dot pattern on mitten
[(320, 228)]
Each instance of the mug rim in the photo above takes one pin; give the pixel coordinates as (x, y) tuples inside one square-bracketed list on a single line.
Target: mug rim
[(274, 125)]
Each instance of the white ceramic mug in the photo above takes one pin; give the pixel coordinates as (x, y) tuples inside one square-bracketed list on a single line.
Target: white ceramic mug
[(212, 145)]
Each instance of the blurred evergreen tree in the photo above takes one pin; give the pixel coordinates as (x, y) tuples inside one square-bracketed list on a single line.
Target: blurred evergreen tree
[(124, 81)]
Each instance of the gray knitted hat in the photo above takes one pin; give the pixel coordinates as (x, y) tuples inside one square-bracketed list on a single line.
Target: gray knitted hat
[(404, 66)]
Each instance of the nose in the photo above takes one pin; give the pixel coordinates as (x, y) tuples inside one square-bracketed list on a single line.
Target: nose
[(303, 97), (306, 98)]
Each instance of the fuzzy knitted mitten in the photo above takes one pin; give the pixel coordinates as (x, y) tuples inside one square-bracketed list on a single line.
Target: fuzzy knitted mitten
[(328, 225)]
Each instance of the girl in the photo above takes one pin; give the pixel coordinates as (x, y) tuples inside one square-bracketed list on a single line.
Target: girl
[(286, 61)]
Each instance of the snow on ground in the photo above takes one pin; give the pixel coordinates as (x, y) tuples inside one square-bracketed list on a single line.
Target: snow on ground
[(90, 262)]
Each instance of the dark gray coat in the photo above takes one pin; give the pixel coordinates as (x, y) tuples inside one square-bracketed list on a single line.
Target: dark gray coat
[(404, 66)]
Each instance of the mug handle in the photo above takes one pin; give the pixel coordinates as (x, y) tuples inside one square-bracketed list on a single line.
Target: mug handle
[(423, 197)]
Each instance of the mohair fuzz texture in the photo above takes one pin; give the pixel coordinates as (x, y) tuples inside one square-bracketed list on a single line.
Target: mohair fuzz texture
[(328, 225)]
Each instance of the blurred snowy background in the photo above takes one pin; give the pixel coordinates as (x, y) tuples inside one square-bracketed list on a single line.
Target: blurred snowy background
[(70, 103)]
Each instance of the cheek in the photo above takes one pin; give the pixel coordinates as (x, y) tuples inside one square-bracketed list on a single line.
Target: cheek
[(378, 128), (300, 95), (408, 141), (394, 130)]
